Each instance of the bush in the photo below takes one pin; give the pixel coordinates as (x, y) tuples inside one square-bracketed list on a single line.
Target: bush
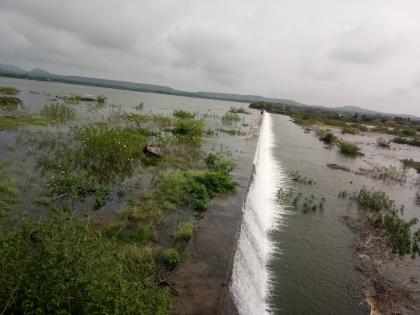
[(58, 112), (230, 117), (217, 163), (70, 185), (238, 110), (327, 137), (8, 90), (370, 199), (189, 130), (61, 266), (185, 230), (399, 232), (172, 258), (10, 103), (101, 196), (101, 99), (348, 148), (182, 114), (138, 235)]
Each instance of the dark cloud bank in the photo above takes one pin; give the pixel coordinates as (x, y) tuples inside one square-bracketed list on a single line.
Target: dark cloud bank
[(328, 52)]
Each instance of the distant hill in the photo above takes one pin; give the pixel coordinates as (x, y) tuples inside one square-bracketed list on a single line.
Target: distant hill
[(42, 75)]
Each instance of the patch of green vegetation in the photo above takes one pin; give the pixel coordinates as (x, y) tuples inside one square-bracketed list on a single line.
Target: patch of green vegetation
[(412, 142), (185, 230), (12, 122), (101, 196), (61, 266), (9, 90), (288, 197), (70, 185), (238, 110), (399, 232), (182, 114), (197, 187), (326, 136), (8, 191), (172, 257), (141, 119), (349, 130), (137, 235), (189, 130), (232, 132), (101, 99), (58, 112), (106, 148), (389, 173), (412, 164), (297, 177), (230, 118), (10, 103), (147, 212), (348, 148), (370, 199)]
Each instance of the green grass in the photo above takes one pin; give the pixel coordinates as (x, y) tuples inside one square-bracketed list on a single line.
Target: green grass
[(9, 90), (185, 230), (12, 122), (58, 112), (172, 257), (10, 103), (350, 149), (230, 118), (182, 114), (327, 136), (238, 110), (61, 266)]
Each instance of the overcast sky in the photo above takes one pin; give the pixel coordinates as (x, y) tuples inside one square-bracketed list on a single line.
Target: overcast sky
[(327, 52)]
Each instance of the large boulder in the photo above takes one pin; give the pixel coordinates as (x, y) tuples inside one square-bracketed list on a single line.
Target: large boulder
[(153, 150)]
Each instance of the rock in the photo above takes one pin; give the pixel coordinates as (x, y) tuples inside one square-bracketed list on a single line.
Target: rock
[(338, 167), (153, 150)]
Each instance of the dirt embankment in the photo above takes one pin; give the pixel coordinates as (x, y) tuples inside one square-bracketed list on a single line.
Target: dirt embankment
[(201, 281)]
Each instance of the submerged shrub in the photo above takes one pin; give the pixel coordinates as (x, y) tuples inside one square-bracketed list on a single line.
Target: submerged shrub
[(9, 90), (58, 112), (101, 196), (189, 130), (70, 185), (61, 266), (370, 199), (348, 148), (185, 230), (230, 117), (10, 103), (182, 114), (327, 136), (172, 257), (101, 99), (382, 143)]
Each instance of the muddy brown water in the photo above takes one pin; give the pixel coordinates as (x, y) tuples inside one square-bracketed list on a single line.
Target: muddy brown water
[(313, 266)]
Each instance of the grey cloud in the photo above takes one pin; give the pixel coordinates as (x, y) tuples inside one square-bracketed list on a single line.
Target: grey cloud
[(326, 52)]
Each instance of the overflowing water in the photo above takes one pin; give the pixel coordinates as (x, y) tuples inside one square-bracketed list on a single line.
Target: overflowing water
[(250, 276)]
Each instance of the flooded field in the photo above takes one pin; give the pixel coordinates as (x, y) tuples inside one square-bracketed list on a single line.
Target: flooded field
[(313, 270)]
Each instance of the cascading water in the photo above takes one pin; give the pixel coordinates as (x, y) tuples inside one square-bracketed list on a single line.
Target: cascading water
[(250, 276)]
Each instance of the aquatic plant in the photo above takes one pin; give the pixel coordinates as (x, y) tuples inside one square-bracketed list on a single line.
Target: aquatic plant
[(9, 90), (58, 112), (172, 257), (61, 265), (297, 177), (402, 140), (8, 190), (189, 131), (140, 106), (388, 173), (101, 99), (101, 196), (182, 114), (137, 235), (147, 212), (348, 148), (70, 185), (349, 130), (10, 103), (326, 136), (238, 110), (185, 230), (370, 199), (399, 232), (230, 118), (21, 120), (232, 132)]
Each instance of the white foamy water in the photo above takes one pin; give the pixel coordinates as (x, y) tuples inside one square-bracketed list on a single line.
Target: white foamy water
[(251, 279)]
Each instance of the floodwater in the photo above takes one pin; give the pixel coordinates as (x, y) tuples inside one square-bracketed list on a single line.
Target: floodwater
[(311, 266)]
